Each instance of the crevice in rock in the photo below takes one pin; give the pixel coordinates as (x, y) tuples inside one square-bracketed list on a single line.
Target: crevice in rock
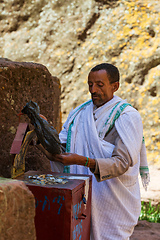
[(116, 51), (151, 32), (109, 3), (2, 17), (70, 69), (19, 3), (83, 34), (129, 79), (24, 18), (142, 69), (153, 91), (14, 27), (152, 63)]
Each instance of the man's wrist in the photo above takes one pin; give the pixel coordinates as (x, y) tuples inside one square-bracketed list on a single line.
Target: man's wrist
[(90, 162)]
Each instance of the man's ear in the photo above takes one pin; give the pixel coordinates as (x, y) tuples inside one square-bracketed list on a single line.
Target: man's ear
[(115, 86)]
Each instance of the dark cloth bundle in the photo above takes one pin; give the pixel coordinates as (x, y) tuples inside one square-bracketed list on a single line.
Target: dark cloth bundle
[(46, 134)]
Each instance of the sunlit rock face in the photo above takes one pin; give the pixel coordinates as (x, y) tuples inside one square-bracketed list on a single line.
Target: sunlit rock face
[(70, 37)]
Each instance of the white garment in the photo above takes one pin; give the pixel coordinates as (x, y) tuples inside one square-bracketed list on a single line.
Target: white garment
[(116, 202)]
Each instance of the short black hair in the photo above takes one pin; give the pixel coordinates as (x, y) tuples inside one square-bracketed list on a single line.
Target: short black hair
[(111, 70)]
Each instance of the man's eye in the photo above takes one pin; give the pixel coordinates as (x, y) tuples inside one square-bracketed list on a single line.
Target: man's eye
[(100, 85)]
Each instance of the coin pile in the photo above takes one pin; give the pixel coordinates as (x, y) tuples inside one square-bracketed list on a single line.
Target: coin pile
[(45, 179)]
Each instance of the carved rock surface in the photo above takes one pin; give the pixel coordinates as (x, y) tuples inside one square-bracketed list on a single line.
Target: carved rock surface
[(17, 211), (21, 82), (70, 37)]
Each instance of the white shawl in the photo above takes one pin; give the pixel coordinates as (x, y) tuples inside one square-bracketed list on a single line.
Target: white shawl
[(117, 200), (129, 127)]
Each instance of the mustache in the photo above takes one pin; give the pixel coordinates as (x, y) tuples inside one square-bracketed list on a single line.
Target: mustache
[(95, 95)]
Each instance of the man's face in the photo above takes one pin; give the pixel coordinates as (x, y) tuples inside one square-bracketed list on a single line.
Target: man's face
[(100, 88)]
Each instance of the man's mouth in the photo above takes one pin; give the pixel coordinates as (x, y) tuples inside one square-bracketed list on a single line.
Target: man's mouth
[(94, 97)]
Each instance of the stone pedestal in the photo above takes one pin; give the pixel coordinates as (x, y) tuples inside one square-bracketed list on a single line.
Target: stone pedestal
[(17, 211)]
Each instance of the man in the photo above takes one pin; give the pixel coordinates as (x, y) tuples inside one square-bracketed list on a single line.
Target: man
[(104, 137)]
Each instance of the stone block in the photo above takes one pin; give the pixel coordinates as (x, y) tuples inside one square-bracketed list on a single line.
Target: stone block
[(21, 82), (17, 211)]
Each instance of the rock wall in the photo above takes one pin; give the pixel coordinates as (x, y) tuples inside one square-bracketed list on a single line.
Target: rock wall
[(69, 37), (21, 82), (17, 211)]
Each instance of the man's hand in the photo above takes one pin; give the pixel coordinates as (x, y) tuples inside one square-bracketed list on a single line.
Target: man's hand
[(69, 159), (73, 158)]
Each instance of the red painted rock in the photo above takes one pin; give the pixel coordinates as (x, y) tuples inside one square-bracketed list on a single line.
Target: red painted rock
[(21, 82)]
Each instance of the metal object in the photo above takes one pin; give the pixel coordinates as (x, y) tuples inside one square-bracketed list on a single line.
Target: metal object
[(45, 179)]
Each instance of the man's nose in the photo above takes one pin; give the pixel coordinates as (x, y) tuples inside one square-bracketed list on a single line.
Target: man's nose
[(93, 89)]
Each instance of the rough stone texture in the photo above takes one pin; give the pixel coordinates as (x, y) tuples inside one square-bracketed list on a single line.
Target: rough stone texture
[(69, 37), (17, 211), (19, 83)]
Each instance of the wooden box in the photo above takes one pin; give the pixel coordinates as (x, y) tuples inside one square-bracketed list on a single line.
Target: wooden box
[(61, 211)]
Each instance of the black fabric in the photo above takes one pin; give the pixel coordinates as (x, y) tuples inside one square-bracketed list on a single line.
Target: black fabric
[(46, 134)]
